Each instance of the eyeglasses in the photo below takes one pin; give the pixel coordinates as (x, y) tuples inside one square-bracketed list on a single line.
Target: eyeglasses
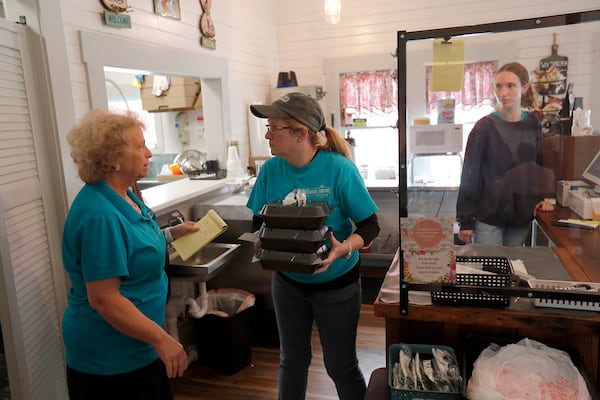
[(271, 128)]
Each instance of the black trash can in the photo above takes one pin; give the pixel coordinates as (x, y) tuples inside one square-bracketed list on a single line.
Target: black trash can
[(223, 335)]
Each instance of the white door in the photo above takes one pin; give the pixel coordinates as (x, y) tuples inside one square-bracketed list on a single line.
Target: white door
[(29, 239)]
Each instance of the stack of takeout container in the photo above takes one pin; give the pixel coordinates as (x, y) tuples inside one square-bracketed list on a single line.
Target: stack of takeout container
[(292, 236)]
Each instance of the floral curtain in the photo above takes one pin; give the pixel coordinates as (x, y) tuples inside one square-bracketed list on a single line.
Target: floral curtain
[(478, 88), (369, 92)]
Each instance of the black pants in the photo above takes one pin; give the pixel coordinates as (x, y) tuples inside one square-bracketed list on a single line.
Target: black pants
[(147, 383)]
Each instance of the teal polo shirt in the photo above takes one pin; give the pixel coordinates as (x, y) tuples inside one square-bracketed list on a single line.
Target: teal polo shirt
[(104, 237)]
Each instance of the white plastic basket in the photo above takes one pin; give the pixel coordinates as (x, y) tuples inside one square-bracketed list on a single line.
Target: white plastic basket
[(566, 304)]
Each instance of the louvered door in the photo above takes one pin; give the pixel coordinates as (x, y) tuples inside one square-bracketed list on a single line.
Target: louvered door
[(28, 304)]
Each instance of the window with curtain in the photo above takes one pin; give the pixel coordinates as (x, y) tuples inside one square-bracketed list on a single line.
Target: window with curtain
[(372, 96), (478, 87), (369, 92)]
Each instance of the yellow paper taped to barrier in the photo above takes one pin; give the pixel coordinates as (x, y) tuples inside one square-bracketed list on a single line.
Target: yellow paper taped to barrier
[(448, 69)]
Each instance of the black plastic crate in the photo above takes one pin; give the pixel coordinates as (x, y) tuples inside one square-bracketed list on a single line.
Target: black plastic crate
[(475, 344), (502, 277), (309, 217), (287, 261), (293, 240)]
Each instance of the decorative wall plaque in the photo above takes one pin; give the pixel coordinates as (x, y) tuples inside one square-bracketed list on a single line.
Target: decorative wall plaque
[(116, 6), (207, 27), (167, 8)]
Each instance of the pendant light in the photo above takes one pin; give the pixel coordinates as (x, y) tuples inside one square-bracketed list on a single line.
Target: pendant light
[(333, 11)]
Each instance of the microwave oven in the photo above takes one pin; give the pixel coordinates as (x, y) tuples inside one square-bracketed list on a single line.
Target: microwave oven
[(436, 139)]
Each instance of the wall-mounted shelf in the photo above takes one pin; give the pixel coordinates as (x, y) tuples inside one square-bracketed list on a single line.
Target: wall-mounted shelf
[(182, 94)]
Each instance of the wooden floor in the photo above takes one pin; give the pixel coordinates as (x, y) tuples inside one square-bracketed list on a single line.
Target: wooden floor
[(259, 380)]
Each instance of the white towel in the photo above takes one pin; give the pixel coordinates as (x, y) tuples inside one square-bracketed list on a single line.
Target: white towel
[(160, 84)]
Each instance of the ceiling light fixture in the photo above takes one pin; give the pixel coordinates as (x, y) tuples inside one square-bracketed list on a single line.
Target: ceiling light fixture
[(333, 11)]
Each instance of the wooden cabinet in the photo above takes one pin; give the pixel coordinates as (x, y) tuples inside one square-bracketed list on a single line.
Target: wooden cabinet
[(182, 94), (568, 156)]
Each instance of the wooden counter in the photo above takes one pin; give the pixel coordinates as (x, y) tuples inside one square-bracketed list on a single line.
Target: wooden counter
[(578, 250), (450, 325)]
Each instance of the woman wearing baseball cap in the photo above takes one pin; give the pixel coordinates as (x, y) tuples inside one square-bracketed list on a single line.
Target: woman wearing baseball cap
[(310, 156)]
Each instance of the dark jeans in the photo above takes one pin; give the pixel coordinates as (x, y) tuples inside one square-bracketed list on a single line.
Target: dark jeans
[(336, 313), (147, 383)]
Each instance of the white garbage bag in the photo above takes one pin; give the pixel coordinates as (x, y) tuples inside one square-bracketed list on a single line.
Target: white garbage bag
[(525, 370)]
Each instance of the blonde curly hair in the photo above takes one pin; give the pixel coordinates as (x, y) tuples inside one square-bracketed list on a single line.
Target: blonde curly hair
[(99, 140)]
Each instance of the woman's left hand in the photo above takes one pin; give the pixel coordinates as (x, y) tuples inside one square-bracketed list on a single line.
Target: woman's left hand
[(182, 229), (544, 205)]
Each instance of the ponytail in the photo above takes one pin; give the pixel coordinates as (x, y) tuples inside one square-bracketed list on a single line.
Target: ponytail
[(529, 100), (333, 141), (326, 139)]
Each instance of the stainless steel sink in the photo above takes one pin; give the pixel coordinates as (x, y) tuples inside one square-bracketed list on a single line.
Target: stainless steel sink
[(204, 264)]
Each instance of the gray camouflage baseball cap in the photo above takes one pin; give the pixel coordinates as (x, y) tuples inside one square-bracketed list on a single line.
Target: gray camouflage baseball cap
[(298, 106)]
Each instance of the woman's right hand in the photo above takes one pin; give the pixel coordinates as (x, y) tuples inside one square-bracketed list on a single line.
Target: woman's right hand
[(466, 236), (182, 229), (105, 297), (173, 355)]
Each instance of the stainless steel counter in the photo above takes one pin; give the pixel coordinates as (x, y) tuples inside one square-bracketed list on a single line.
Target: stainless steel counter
[(164, 198)]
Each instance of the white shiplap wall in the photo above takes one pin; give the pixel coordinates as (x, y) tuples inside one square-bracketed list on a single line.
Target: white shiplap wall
[(262, 37), (259, 38), (305, 40), (245, 35), (306, 43)]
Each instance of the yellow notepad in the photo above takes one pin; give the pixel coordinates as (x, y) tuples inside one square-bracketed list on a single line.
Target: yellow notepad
[(211, 226)]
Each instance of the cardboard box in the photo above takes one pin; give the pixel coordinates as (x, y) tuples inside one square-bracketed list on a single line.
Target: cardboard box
[(182, 94)]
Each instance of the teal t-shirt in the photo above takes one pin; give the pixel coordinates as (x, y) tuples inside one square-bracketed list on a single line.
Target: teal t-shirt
[(104, 237), (329, 177)]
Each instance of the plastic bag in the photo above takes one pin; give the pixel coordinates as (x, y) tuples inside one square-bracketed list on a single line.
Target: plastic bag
[(525, 370), (227, 302), (390, 288)]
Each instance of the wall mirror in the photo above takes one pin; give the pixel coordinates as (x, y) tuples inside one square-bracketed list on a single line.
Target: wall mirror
[(111, 68), (174, 120), (526, 41)]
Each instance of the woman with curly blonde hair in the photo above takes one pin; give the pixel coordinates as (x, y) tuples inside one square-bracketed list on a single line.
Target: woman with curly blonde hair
[(114, 253)]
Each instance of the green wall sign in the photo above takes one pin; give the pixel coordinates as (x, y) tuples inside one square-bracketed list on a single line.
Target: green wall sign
[(117, 20)]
